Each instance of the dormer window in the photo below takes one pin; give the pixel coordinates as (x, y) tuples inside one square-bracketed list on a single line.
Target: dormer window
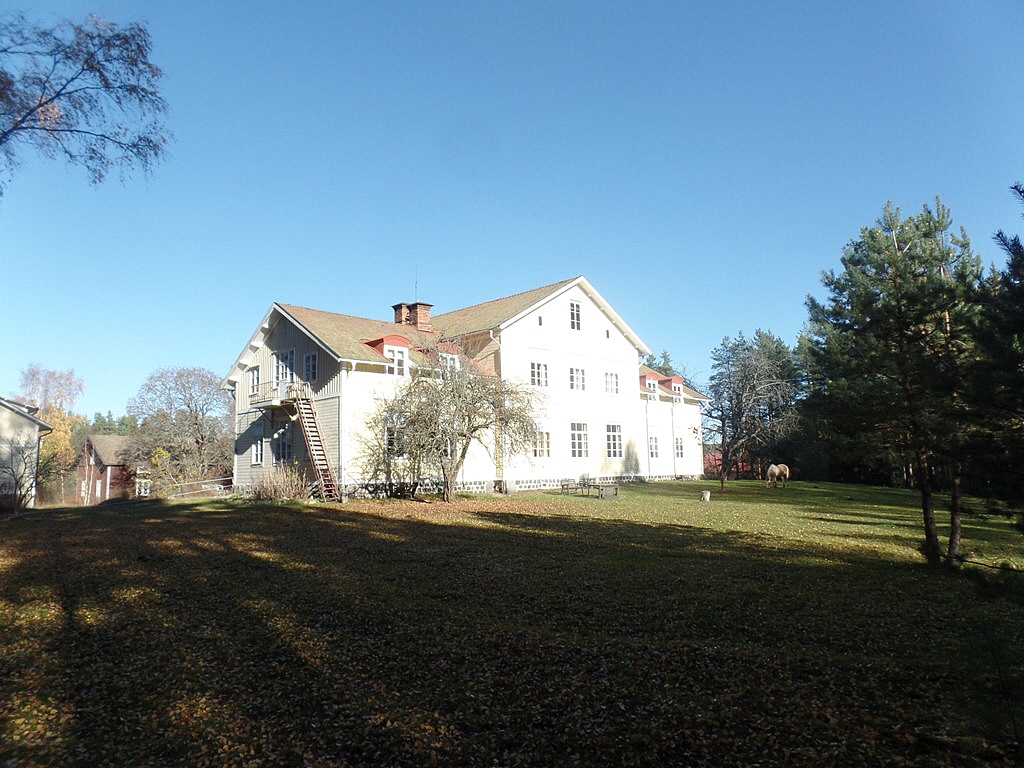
[(652, 385), (397, 357), (450, 362)]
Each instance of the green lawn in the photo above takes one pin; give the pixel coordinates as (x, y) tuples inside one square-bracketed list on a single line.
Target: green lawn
[(781, 627)]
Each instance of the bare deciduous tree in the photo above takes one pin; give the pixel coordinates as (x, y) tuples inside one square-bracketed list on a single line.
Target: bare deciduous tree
[(427, 429), (85, 92), (753, 387), (184, 425), (20, 465)]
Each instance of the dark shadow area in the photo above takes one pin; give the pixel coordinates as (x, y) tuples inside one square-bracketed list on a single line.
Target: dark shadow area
[(377, 634)]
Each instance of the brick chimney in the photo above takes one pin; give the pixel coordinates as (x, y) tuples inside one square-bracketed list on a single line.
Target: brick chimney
[(419, 316), (401, 313)]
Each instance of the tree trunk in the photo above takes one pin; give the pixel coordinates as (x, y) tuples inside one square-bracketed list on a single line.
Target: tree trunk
[(931, 550), (953, 548)]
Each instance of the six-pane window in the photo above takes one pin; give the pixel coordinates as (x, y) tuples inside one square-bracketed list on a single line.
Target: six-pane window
[(576, 379), (654, 447), (614, 441), (611, 383), (539, 374), (574, 315), (578, 440), (309, 365), (542, 444), (679, 447)]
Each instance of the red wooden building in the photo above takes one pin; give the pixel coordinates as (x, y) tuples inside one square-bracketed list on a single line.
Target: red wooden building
[(102, 473)]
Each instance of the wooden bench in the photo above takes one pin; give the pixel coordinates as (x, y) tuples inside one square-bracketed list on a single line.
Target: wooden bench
[(585, 485)]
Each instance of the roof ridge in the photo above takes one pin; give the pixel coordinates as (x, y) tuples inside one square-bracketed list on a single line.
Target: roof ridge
[(510, 296)]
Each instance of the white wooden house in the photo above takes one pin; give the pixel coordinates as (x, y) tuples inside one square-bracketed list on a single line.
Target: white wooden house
[(306, 382), (21, 436)]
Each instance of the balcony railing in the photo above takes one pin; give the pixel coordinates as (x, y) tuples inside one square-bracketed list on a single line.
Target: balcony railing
[(280, 392)]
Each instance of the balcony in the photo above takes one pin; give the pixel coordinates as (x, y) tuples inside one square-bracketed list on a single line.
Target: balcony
[(281, 393)]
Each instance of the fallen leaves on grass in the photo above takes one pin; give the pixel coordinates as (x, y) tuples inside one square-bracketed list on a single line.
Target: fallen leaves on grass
[(492, 632)]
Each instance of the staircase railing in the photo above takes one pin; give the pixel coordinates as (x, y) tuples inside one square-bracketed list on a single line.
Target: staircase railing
[(301, 394)]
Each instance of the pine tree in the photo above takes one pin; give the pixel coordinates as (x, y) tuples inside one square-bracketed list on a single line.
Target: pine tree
[(893, 344)]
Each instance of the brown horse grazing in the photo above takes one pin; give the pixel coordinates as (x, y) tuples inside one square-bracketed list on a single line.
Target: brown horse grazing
[(777, 472)]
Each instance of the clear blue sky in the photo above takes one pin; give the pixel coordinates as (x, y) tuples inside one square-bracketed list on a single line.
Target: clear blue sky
[(700, 163)]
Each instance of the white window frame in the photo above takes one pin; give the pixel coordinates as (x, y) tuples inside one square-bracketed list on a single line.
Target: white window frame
[(611, 383), (450, 362), (284, 371), (256, 453), (254, 380), (541, 444), (613, 441), (575, 316), (680, 447), (399, 359), (310, 366), (396, 441), (652, 447), (578, 447), (577, 379), (539, 374)]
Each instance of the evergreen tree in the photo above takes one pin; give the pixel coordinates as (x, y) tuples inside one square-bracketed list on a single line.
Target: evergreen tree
[(893, 344)]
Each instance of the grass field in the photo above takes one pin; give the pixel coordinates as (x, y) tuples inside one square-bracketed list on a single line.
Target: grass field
[(791, 627)]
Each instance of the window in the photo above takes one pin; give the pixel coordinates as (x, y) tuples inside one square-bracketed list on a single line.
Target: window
[(309, 366), (254, 380), (284, 367), (614, 441), (542, 444), (611, 383), (574, 315), (654, 447), (450, 362), (576, 379), (578, 440), (540, 320), (396, 441), (397, 357), (652, 384), (282, 442), (679, 447), (257, 444), (539, 374)]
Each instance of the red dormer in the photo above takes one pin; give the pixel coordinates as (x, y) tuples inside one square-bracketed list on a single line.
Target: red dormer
[(391, 340)]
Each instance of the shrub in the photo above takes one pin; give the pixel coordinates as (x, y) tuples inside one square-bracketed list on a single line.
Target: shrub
[(281, 484)]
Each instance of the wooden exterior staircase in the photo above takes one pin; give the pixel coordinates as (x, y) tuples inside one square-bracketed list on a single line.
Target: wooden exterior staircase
[(302, 398)]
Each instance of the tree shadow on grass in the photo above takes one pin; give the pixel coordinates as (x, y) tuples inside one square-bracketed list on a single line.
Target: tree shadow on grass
[(326, 637)]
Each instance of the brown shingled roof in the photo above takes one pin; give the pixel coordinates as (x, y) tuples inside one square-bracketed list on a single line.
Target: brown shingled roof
[(108, 449), (345, 335), (491, 314)]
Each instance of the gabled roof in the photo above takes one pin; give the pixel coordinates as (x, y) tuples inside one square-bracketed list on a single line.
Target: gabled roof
[(26, 412), (501, 313), (108, 449), (345, 336)]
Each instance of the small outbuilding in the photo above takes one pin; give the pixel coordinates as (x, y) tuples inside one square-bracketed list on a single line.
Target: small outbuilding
[(103, 473)]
